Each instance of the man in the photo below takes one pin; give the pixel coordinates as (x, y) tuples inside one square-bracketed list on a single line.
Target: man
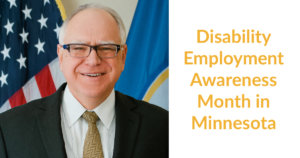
[(92, 53)]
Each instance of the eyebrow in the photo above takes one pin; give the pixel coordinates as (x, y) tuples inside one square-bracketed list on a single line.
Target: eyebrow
[(98, 42), (78, 42), (105, 42)]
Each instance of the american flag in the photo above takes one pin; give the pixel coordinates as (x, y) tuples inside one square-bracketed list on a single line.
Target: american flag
[(28, 60)]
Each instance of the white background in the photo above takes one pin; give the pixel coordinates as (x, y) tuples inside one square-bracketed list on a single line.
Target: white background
[(281, 19)]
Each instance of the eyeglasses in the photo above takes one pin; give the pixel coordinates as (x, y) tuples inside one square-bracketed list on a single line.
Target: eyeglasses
[(84, 50)]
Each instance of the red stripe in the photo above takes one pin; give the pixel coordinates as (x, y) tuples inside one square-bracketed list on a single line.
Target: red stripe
[(17, 99), (45, 82)]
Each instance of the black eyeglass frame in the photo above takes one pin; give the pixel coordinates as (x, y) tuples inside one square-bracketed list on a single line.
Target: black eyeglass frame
[(67, 47)]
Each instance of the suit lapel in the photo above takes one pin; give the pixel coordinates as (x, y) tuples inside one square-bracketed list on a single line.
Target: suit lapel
[(127, 125), (49, 123)]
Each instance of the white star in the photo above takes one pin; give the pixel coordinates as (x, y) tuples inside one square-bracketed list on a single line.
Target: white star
[(8, 27), (43, 21), (22, 60), (57, 29), (5, 53), (12, 3), (40, 46), (46, 1), (24, 36), (3, 78), (26, 12)]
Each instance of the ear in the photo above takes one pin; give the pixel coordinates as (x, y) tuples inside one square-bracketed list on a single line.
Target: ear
[(123, 55), (60, 55)]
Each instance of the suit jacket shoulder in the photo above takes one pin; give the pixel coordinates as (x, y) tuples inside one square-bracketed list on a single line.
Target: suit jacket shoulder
[(142, 129), (146, 109), (33, 129)]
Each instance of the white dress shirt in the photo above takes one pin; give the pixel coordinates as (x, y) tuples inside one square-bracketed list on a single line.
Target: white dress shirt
[(74, 127)]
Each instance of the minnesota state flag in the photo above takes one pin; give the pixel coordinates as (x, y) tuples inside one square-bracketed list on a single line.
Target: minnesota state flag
[(146, 69)]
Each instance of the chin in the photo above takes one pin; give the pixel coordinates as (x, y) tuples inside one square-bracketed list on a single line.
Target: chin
[(95, 91)]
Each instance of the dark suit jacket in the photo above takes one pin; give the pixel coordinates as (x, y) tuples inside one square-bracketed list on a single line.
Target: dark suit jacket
[(34, 130)]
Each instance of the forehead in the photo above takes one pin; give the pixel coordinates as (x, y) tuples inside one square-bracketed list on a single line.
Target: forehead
[(92, 25)]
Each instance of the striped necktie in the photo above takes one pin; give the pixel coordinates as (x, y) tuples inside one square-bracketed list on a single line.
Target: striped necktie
[(92, 143)]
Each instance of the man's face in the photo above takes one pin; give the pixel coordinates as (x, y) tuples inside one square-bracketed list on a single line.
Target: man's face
[(92, 27)]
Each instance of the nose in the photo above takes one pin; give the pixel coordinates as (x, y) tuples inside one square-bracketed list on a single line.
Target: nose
[(93, 58)]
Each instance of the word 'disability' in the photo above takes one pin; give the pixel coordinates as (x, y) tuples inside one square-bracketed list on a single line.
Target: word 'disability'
[(246, 36)]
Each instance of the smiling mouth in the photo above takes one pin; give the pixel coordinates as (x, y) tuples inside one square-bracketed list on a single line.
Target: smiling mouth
[(94, 74)]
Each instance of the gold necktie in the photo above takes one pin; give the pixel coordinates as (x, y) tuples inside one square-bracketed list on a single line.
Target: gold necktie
[(92, 143)]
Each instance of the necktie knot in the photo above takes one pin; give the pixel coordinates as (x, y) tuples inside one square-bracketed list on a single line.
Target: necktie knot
[(90, 117)]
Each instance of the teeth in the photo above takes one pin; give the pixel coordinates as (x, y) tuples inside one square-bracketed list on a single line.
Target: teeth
[(93, 75)]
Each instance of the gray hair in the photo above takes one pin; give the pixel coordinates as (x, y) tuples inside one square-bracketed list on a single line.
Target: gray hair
[(112, 12)]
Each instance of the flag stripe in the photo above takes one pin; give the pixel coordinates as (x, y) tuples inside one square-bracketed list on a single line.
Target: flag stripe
[(31, 91), (45, 82), (17, 99), (57, 75), (6, 106)]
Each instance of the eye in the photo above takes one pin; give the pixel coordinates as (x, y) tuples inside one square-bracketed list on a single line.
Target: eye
[(78, 47), (106, 48)]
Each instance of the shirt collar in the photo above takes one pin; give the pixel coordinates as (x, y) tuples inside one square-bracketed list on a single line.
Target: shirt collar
[(73, 109)]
